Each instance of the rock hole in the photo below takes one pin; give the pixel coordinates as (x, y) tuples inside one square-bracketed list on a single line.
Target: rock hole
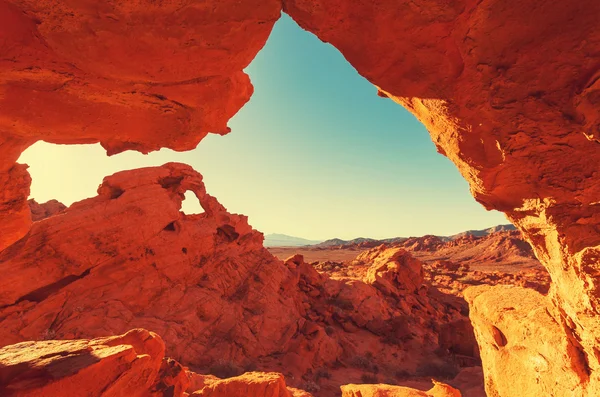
[(171, 227), (499, 337), (170, 181), (115, 192), (191, 204)]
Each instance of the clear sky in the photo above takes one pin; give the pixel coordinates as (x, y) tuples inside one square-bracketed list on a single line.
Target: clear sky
[(314, 154)]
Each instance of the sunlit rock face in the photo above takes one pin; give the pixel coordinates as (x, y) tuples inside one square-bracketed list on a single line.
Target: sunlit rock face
[(129, 364), (525, 350), (129, 258), (132, 365), (138, 75), (510, 92)]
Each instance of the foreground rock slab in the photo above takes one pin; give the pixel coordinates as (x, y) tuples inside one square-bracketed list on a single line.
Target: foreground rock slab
[(438, 390), (129, 365), (125, 365), (250, 384), (524, 349)]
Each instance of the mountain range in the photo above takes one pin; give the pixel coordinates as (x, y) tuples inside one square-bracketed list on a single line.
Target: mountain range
[(283, 240)]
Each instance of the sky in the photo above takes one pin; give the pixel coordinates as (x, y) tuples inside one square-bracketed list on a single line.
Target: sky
[(314, 154)]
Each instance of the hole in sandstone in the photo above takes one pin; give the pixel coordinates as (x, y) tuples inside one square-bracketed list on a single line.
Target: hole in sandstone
[(172, 227), (115, 192), (315, 142), (191, 205), (499, 337)]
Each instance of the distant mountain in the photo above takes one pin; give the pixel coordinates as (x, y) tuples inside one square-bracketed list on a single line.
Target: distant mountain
[(336, 241), (283, 240), (484, 232), (368, 242)]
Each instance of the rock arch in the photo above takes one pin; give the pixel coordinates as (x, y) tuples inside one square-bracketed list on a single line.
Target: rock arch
[(509, 90)]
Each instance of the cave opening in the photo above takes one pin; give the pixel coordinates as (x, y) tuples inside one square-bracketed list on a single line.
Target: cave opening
[(191, 205), (365, 166)]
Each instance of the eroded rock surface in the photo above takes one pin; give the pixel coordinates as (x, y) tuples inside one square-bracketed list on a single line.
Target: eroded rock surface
[(129, 258), (137, 75), (131, 365), (513, 101), (113, 366), (525, 349), (438, 390), (509, 91), (45, 210)]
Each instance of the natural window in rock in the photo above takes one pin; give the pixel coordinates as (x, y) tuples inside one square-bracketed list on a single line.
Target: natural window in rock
[(315, 154), (191, 205)]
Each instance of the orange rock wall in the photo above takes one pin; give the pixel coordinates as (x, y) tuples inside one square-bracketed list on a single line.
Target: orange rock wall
[(135, 75), (510, 92)]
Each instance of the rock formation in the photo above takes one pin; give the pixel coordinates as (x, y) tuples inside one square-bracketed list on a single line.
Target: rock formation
[(139, 75), (131, 365), (129, 258), (509, 91), (45, 210), (117, 366), (134, 365), (525, 350), (438, 390)]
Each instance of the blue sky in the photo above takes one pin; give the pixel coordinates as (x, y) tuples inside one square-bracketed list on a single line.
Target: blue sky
[(315, 154)]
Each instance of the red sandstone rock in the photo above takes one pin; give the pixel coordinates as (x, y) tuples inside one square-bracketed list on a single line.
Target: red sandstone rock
[(133, 76), (129, 258), (392, 269), (438, 390), (513, 101), (45, 210), (510, 98), (223, 304), (15, 217), (128, 365), (125, 365), (251, 384)]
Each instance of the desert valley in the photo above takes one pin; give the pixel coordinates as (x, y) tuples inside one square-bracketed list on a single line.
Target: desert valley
[(126, 294)]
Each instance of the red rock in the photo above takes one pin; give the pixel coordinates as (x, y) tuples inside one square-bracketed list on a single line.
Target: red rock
[(251, 384), (392, 269), (135, 76), (128, 365), (125, 365), (513, 101), (129, 258), (379, 390), (45, 210), (510, 98), (14, 211), (470, 382)]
